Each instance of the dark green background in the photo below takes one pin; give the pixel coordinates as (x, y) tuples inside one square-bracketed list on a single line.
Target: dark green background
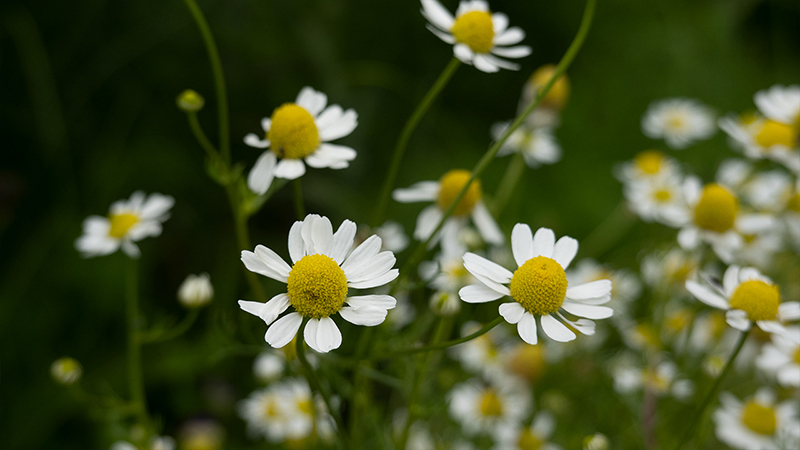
[(87, 90)]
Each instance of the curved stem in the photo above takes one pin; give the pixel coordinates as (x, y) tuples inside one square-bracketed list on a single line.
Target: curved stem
[(712, 394), (405, 135), (510, 180), (483, 163), (182, 327), (135, 380), (442, 345), (200, 135), (299, 206)]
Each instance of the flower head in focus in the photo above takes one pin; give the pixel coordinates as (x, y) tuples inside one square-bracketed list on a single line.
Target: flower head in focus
[(679, 121)]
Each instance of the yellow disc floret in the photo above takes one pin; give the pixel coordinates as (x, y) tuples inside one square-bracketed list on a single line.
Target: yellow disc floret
[(558, 94), (293, 133), (649, 161), (317, 286), (121, 223), (759, 418), (475, 29), (529, 441), (776, 133), (451, 184), (539, 285), (758, 299), (716, 210), (490, 404)]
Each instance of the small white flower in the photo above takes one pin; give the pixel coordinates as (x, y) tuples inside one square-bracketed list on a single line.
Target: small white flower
[(269, 366), (647, 166), (679, 121), (299, 134), (393, 236), (481, 408), (196, 291), (66, 370), (535, 436), (748, 296), (443, 193), (662, 379), (539, 287), (669, 270), (446, 275), (760, 138), (128, 221), (756, 423), (318, 283), (597, 441), (780, 103), (658, 200), (782, 358), (537, 145), (478, 36)]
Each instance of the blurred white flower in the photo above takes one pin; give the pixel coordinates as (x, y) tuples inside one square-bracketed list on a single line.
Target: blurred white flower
[(756, 423), (679, 121), (269, 366), (66, 370), (647, 166), (535, 436), (537, 145), (201, 434), (196, 291), (661, 379), (481, 408), (781, 358)]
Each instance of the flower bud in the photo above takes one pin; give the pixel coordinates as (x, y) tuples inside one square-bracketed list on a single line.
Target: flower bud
[(444, 303), (558, 94), (196, 291), (190, 101), (597, 441), (66, 371)]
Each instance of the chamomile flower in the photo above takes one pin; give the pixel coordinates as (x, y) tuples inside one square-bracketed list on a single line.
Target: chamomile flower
[(679, 121), (269, 366), (755, 424), (647, 165), (323, 271), (535, 436), (483, 408), (747, 296), (66, 370), (658, 200), (156, 443), (669, 270), (443, 193), (537, 145), (661, 379), (539, 287), (780, 103), (446, 275), (299, 134), (128, 222), (760, 138), (479, 37), (556, 97), (782, 358), (527, 362)]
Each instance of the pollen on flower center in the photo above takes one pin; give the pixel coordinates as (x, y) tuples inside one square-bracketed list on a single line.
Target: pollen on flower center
[(758, 299), (293, 133), (490, 404), (716, 210), (759, 418), (317, 286), (529, 441), (121, 223), (649, 161), (475, 29), (539, 285), (451, 184), (776, 133)]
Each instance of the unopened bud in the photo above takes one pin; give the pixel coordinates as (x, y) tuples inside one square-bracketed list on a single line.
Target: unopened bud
[(190, 101), (558, 94), (196, 291), (66, 371), (597, 441)]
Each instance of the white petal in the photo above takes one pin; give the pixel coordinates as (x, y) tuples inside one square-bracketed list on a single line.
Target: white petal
[(587, 311), (499, 23), (255, 264), (424, 191), (273, 308), (437, 14), (789, 311), (519, 51), (512, 312), (484, 64), (156, 207), (478, 293), (522, 243), (737, 319), (313, 101), (565, 250), (371, 268), (317, 233), (262, 173), (446, 37), (706, 295), (486, 224), (341, 128), (130, 248), (375, 282), (310, 333), (584, 326), (328, 336), (253, 140), (544, 242), (556, 330), (331, 155), (272, 260), (730, 281), (342, 241), (284, 330), (290, 169), (463, 53), (510, 36), (527, 328), (384, 302), (366, 316), (297, 248), (364, 252), (592, 289), (480, 266), (689, 237), (266, 123), (427, 221)]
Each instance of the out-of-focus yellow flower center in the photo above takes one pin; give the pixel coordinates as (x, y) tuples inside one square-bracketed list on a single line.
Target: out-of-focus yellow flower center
[(457, 271), (776, 133), (797, 356), (475, 29), (305, 406), (718, 324), (527, 361), (758, 299), (716, 210), (759, 418), (676, 121), (558, 94), (649, 161), (490, 404), (662, 195), (656, 381), (201, 442), (794, 202), (293, 133), (451, 184), (678, 320), (648, 336), (121, 223), (539, 285), (529, 441), (317, 286), (271, 408)]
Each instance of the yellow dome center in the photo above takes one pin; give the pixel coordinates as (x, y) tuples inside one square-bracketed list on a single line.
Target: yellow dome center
[(716, 210), (450, 185), (558, 94), (293, 133), (649, 161), (317, 286), (776, 133), (758, 299), (539, 285), (662, 195), (529, 441), (759, 418), (121, 223), (490, 404), (475, 29)]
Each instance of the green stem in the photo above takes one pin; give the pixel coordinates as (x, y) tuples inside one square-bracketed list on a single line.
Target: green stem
[(490, 154), (200, 135), (510, 180), (609, 232), (299, 206), (135, 380), (182, 327), (219, 80), (405, 135), (243, 239), (443, 345), (712, 394)]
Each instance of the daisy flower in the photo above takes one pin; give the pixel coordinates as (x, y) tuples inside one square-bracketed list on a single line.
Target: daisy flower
[(759, 138), (538, 287), (299, 134), (318, 281), (269, 366), (679, 121), (669, 270), (479, 37), (748, 296), (647, 165), (658, 200), (661, 379), (443, 193), (524, 361), (446, 275), (780, 103), (755, 424), (156, 443), (481, 408), (128, 221), (534, 436), (536, 144), (782, 358)]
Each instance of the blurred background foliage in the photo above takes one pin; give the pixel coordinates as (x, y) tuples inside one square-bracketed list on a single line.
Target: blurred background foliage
[(88, 88)]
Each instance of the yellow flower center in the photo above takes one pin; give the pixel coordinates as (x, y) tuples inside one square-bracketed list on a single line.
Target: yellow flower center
[(527, 361), (662, 195), (317, 286), (475, 29), (293, 133), (539, 285), (794, 202), (271, 408), (121, 223), (647, 335), (678, 320), (490, 404), (776, 133), (305, 406), (797, 356), (716, 210), (649, 161), (676, 122), (718, 324), (559, 93), (451, 184), (759, 418), (758, 299), (529, 441), (655, 381)]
